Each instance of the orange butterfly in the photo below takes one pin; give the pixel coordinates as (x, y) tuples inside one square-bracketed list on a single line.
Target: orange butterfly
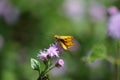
[(65, 41)]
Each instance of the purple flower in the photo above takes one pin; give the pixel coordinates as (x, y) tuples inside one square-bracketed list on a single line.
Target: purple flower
[(60, 63), (114, 26), (73, 9), (9, 12), (42, 55), (112, 10), (2, 5), (97, 11), (52, 51), (59, 48)]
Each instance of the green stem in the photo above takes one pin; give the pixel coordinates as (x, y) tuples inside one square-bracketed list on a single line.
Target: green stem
[(47, 64), (39, 72), (116, 72), (49, 69), (116, 77)]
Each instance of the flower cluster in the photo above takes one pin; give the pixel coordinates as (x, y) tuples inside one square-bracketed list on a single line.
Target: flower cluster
[(47, 56), (52, 51), (49, 53), (114, 23)]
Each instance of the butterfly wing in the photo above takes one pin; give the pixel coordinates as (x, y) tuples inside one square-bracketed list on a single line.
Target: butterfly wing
[(76, 46), (68, 42), (65, 41), (63, 46)]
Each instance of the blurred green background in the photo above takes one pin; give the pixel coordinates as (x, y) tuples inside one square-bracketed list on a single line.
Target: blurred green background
[(26, 26)]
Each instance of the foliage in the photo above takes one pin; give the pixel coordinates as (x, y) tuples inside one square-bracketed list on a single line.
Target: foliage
[(29, 25)]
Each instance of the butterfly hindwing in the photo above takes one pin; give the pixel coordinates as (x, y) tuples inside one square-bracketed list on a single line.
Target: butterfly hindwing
[(63, 46)]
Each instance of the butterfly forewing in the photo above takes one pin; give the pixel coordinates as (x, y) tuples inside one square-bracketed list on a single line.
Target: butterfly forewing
[(65, 41)]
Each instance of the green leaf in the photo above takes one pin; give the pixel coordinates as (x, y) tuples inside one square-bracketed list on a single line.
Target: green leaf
[(98, 52), (35, 64), (112, 60)]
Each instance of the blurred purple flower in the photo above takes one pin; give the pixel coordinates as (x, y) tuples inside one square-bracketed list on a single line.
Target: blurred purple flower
[(113, 10), (114, 26), (9, 12), (11, 15), (97, 12), (2, 5), (74, 9)]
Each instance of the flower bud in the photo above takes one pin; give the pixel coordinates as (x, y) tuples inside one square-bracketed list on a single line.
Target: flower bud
[(60, 63)]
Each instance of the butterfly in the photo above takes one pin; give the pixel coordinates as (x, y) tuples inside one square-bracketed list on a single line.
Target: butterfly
[(65, 41)]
